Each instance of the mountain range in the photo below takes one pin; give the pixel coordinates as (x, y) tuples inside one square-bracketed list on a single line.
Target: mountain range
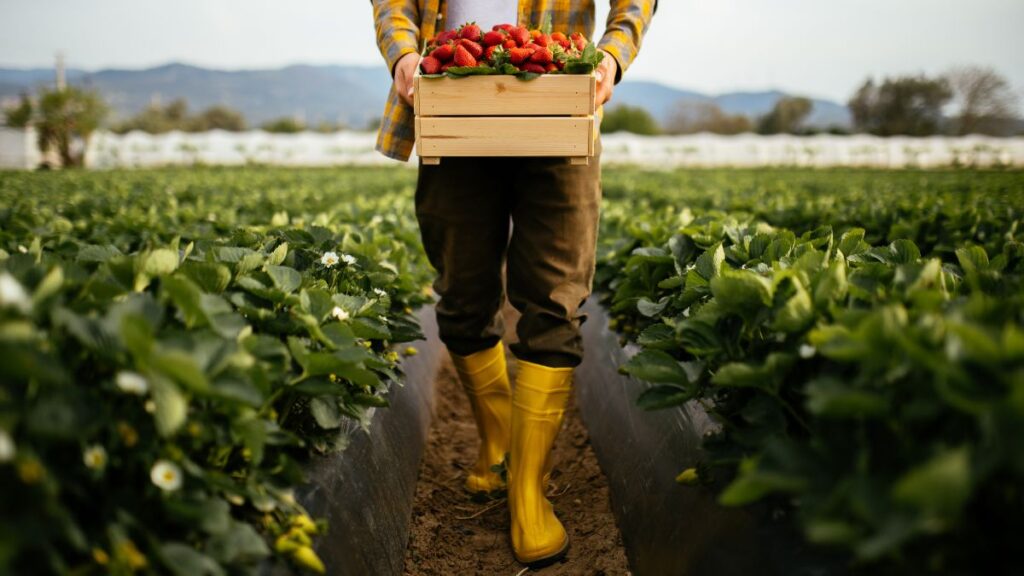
[(351, 95)]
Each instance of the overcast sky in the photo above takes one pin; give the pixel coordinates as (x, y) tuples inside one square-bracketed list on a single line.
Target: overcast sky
[(815, 47)]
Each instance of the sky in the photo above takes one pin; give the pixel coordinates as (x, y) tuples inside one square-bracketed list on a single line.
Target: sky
[(823, 48)]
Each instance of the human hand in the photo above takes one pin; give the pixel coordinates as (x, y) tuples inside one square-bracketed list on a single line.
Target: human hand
[(606, 72), (405, 69)]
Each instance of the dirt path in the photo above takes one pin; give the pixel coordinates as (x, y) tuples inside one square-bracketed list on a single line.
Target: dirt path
[(450, 534)]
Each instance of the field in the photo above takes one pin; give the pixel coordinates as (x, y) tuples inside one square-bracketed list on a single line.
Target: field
[(174, 344)]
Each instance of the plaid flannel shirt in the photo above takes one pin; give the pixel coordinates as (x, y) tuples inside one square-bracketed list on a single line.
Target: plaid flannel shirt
[(402, 26)]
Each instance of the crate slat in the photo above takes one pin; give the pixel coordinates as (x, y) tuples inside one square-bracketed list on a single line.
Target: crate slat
[(505, 136), (555, 95)]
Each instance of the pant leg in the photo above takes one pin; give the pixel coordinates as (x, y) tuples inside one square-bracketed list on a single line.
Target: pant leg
[(464, 224), (551, 256)]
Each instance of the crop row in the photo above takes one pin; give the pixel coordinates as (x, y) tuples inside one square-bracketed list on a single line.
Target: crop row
[(174, 344), (858, 338)]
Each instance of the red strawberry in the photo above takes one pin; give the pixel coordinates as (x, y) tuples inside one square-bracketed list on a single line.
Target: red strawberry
[(443, 52), (510, 44), (475, 49), (558, 37), (463, 57), (550, 67), (579, 41), (470, 32), (541, 40), (446, 66), (505, 27), (542, 56), (520, 35), (535, 34), (430, 65), (493, 38), (489, 53), (519, 55), (446, 37), (535, 68)]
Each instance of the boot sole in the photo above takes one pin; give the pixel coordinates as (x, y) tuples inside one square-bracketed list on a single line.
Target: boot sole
[(547, 560)]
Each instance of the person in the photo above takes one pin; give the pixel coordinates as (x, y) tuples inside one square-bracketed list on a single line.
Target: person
[(537, 219)]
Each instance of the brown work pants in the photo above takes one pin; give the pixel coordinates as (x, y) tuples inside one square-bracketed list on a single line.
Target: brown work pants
[(537, 215)]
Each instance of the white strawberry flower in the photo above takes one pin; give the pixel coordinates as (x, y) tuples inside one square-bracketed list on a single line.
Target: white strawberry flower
[(329, 259), (132, 383), (95, 457), (348, 259), (380, 292), (13, 294), (339, 314), (166, 475), (807, 351)]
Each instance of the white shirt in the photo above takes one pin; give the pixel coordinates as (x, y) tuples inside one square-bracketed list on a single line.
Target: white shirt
[(486, 13)]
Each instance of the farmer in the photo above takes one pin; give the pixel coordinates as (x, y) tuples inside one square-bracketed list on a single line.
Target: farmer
[(466, 209)]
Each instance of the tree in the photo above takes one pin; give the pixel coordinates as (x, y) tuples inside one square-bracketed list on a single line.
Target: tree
[(156, 119), (909, 105), (65, 115), (284, 125), (635, 119), (693, 117), (985, 101), (217, 118), (786, 116), (20, 116)]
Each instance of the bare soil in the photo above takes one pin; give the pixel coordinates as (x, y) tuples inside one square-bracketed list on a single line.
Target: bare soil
[(451, 534)]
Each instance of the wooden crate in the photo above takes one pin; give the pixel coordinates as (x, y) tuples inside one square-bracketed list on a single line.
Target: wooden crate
[(505, 116)]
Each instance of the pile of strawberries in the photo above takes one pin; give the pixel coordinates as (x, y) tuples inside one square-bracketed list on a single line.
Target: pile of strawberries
[(505, 49)]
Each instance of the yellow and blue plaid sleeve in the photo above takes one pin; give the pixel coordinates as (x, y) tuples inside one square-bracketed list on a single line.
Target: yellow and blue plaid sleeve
[(627, 22), (398, 31)]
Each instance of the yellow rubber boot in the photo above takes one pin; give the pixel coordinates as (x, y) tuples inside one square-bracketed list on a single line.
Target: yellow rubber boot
[(484, 377), (538, 405)]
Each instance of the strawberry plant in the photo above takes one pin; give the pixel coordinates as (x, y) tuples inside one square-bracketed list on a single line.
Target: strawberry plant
[(859, 340), (174, 344)]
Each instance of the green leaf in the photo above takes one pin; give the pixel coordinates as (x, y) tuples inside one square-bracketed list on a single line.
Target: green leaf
[(709, 264), (904, 251), (180, 367), (285, 279), (651, 309), (796, 314), (742, 292), (171, 406), (209, 276), (239, 545), (752, 484), (278, 255), (184, 560), (160, 262), (940, 486), (831, 398), (666, 396), (326, 412), (657, 367)]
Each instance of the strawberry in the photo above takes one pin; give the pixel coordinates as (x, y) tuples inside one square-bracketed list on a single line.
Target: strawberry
[(446, 37), (510, 44), (520, 35), (444, 52), (446, 66), (489, 53), (430, 65), (541, 40), (535, 68), (542, 56), (579, 41), (463, 57), (519, 55), (470, 32), (494, 38), (505, 27), (558, 37), (534, 34), (472, 47), (550, 67)]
